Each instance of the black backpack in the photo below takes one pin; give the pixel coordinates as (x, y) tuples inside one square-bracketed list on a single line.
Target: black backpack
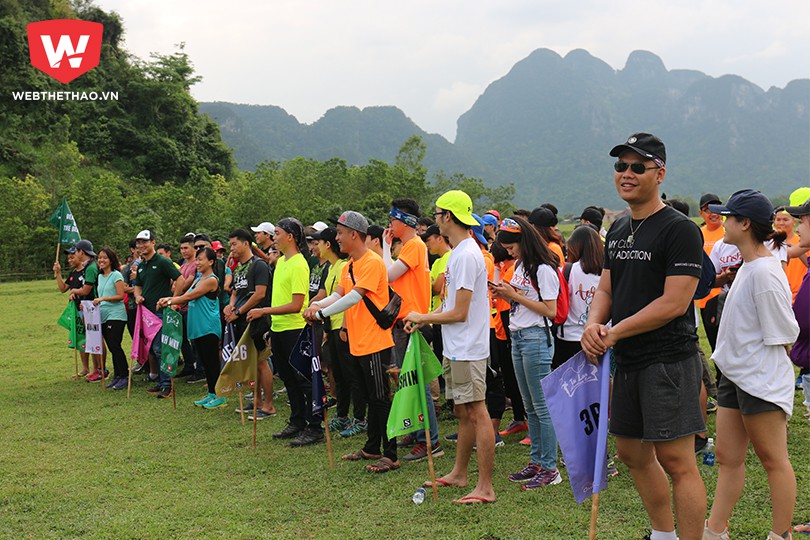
[(387, 316), (707, 278)]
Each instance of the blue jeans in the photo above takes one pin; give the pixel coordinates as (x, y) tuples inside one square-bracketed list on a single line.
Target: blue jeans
[(531, 357)]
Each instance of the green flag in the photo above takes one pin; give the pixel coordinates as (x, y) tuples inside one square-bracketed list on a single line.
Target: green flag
[(409, 408), (170, 340), (240, 368), (63, 220), (70, 321)]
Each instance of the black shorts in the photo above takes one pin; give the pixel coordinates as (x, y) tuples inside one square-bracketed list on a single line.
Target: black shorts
[(660, 402), (731, 396)]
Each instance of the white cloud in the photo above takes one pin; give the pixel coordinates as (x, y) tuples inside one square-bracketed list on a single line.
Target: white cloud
[(432, 59)]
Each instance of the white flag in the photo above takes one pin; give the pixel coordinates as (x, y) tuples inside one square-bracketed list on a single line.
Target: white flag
[(92, 325)]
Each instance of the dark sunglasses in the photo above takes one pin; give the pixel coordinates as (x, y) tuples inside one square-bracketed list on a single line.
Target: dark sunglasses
[(637, 167)]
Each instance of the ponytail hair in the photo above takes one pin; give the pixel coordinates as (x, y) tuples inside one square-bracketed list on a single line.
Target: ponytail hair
[(764, 232)]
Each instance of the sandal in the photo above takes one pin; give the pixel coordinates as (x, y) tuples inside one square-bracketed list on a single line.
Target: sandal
[(359, 456), (383, 466), (804, 528)]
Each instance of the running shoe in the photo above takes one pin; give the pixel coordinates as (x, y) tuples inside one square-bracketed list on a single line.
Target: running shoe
[(711, 405), (339, 423), (514, 427), (355, 429), (206, 399), (526, 441), (527, 473), (419, 452), (542, 479), (216, 402)]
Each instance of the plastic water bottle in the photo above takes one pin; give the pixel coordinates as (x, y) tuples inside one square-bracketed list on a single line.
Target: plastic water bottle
[(708, 453), (419, 496)]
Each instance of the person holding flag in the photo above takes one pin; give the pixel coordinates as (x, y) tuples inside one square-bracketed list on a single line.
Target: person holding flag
[(204, 328), (153, 281), (364, 281), (84, 258), (75, 280), (464, 316), (653, 262)]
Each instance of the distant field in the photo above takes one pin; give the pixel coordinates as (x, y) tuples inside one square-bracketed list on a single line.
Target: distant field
[(79, 463)]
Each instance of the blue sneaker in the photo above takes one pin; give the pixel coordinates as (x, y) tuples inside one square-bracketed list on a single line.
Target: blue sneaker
[(355, 429), (214, 403), (206, 399)]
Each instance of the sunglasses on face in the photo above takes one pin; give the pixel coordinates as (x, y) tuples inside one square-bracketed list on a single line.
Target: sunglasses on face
[(637, 167)]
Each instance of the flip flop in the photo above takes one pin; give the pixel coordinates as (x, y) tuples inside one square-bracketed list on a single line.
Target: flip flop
[(473, 499), (440, 482), (359, 456), (804, 528), (383, 466)]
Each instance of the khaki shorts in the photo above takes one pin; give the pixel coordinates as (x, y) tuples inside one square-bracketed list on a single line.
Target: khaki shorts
[(465, 380)]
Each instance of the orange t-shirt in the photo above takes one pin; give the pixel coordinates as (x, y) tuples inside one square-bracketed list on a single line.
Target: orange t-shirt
[(507, 272), (709, 239), (489, 263), (557, 248), (414, 285), (795, 269), (365, 335)]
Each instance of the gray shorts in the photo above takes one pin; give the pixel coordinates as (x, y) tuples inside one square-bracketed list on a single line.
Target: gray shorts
[(731, 396), (660, 402)]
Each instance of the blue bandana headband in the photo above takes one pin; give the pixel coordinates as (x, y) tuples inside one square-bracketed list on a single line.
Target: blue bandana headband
[(404, 217)]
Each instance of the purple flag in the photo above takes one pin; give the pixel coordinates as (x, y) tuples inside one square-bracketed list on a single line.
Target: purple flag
[(576, 393), (147, 325)]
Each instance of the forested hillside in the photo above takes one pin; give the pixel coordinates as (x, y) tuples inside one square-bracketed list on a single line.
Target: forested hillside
[(150, 159)]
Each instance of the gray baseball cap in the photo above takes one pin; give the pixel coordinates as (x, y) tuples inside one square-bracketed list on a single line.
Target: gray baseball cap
[(353, 220)]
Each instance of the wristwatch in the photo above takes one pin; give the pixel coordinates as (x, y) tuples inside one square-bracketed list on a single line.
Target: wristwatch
[(237, 312), (319, 315)]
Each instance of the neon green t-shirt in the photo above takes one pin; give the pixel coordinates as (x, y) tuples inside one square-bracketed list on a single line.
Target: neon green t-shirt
[(291, 277), (438, 268), (332, 281)]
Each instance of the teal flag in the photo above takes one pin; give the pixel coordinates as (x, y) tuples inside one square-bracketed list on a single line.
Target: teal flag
[(409, 408), (170, 340), (64, 221), (70, 321)]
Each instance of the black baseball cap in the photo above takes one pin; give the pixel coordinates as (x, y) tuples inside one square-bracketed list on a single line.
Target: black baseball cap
[(82, 245), (746, 203), (592, 215), (644, 144), (329, 234), (709, 198), (433, 229), (799, 211)]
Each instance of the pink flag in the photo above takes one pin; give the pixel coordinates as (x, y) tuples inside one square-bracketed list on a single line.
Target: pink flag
[(147, 325)]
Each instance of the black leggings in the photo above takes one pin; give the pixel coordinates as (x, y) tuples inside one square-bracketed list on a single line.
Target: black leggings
[(349, 384), (113, 332), (496, 396), (207, 349)]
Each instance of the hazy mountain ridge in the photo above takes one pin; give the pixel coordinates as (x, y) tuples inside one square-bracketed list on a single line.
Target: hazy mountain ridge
[(548, 124)]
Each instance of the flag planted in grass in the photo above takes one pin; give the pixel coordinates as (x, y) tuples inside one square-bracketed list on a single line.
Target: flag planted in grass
[(69, 320), (147, 325), (170, 340), (92, 327), (306, 361), (64, 221), (409, 408), (577, 398), (240, 367)]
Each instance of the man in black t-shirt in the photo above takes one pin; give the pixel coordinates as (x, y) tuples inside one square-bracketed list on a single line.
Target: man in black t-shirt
[(652, 264), (251, 281)]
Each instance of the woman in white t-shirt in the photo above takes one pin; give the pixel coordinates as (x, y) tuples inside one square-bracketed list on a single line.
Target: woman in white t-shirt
[(755, 392), (586, 256), (533, 294)]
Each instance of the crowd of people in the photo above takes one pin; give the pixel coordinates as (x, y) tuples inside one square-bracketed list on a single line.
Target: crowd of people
[(504, 301)]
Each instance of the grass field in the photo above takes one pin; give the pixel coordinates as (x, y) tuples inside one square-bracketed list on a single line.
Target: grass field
[(79, 463)]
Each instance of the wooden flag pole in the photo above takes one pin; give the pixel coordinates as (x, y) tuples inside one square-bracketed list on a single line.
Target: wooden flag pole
[(242, 407), (76, 362), (129, 376), (58, 247), (256, 388), (174, 398), (328, 439), (594, 512), (103, 367), (430, 465)]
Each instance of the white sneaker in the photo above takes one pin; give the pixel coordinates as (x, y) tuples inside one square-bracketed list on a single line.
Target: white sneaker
[(773, 536)]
